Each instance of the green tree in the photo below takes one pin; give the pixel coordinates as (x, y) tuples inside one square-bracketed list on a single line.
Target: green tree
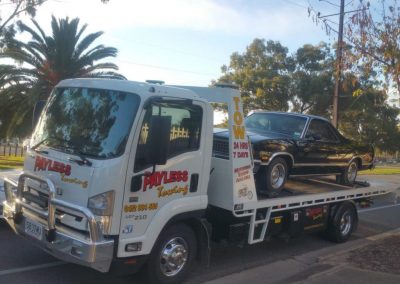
[(366, 116), (312, 80), (43, 62), (18, 7), (262, 74)]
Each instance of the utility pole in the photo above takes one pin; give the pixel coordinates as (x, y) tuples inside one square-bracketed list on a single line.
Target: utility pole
[(339, 51)]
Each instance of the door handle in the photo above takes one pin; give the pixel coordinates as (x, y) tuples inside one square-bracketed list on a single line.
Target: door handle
[(136, 183), (194, 182)]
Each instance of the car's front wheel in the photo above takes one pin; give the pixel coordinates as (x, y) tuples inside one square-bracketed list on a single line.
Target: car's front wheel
[(272, 178), (349, 175)]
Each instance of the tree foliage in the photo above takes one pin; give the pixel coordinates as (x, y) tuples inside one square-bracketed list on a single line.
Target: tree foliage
[(270, 78), (312, 83), (262, 74), (43, 62), (375, 35)]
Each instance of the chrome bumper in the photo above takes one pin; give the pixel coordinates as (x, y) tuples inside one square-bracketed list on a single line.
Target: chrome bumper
[(66, 244)]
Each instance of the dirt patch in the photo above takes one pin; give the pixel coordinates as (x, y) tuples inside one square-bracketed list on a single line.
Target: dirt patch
[(382, 256)]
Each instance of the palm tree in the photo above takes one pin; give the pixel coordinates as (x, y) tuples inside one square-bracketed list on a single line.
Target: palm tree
[(45, 60)]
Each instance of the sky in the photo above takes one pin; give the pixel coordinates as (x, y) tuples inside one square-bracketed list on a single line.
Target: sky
[(185, 42)]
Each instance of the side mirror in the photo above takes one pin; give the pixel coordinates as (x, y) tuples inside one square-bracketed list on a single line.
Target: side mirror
[(37, 110), (158, 140), (317, 137)]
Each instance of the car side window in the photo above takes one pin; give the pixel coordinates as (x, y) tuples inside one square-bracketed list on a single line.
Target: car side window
[(321, 130), (185, 130)]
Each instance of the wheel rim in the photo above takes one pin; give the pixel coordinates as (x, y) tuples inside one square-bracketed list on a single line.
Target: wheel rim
[(352, 172), (173, 256), (278, 174), (346, 222)]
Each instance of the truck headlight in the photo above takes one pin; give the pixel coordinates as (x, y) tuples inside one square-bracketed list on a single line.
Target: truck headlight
[(102, 204)]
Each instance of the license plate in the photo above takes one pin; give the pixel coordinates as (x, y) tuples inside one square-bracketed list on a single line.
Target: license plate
[(33, 229)]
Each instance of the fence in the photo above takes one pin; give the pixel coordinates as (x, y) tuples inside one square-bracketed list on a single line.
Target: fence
[(176, 132), (11, 149)]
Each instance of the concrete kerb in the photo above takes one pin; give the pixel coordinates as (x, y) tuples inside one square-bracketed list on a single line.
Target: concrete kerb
[(353, 245), (293, 266)]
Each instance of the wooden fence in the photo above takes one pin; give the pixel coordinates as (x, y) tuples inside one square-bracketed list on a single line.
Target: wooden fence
[(11, 149), (176, 132)]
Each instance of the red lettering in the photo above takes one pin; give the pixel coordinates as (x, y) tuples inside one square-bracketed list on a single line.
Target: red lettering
[(67, 170), (42, 164), (164, 177), (185, 176)]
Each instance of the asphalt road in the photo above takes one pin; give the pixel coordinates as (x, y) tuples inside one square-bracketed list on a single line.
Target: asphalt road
[(21, 262)]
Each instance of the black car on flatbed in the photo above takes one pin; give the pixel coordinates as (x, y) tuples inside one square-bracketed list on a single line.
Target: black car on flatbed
[(291, 144)]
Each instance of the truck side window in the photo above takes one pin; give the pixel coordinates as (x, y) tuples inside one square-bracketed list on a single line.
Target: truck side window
[(185, 130)]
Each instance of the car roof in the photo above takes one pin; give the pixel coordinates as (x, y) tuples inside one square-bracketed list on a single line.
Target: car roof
[(290, 113)]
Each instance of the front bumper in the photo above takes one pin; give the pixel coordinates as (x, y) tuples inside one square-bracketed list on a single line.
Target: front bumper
[(91, 250)]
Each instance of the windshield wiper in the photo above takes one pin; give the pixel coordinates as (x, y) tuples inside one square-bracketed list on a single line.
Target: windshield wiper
[(83, 160), (34, 147), (65, 144)]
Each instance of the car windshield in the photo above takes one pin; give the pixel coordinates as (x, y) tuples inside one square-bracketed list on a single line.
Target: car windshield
[(287, 124), (92, 122)]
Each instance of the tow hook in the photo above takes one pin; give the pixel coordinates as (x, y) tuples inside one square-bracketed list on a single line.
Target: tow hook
[(51, 235)]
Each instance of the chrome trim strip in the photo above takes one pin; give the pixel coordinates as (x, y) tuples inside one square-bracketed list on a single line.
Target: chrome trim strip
[(319, 165), (277, 154), (305, 175), (303, 134)]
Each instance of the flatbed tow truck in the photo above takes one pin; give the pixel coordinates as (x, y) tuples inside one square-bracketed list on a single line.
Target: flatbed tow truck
[(122, 176)]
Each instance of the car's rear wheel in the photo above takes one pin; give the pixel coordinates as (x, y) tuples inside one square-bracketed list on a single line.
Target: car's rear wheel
[(343, 223), (349, 175), (271, 179)]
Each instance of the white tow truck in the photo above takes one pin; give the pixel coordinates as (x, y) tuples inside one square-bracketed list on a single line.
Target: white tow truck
[(120, 174)]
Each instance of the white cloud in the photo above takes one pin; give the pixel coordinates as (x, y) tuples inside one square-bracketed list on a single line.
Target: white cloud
[(200, 15)]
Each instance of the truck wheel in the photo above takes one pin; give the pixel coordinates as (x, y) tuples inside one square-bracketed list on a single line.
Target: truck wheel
[(277, 172), (349, 175), (343, 223), (173, 255)]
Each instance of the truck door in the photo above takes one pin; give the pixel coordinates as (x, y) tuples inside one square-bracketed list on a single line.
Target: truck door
[(149, 188)]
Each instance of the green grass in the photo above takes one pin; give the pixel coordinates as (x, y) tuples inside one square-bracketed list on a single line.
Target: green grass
[(11, 162), (382, 170)]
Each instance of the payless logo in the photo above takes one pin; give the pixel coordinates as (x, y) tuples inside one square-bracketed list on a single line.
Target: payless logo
[(164, 177), (43, 164)]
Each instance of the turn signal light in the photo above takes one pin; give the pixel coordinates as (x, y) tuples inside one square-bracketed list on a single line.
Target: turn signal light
[(133, 247)]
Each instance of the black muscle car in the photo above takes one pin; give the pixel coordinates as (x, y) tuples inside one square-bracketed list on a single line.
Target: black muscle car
[(291, 144)]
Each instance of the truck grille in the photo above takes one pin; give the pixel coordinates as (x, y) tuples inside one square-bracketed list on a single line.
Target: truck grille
[(36, 198), (221, 149)]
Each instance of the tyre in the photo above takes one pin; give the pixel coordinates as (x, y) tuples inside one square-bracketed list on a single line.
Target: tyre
[(349, 175), (172, 256), (271, 179), (343, 223)]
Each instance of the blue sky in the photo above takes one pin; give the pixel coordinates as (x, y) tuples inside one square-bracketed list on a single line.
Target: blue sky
[(187, 41)]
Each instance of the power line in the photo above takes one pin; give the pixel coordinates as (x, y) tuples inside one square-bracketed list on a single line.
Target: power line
[(296, 4), (333, 4), (167, 68), (164, 48)]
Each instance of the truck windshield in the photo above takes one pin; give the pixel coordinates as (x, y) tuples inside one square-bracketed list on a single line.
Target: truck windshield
[(93, 122)]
